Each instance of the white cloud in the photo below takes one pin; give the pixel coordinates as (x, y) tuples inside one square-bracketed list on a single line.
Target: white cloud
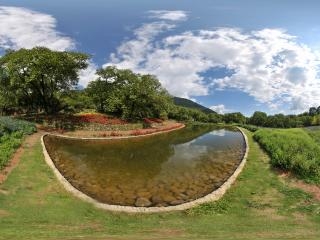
[(221, 109), (23, 28), (145, 55), (88, 74), (269, 64), (169, 15), (139, 48), (220, 133)]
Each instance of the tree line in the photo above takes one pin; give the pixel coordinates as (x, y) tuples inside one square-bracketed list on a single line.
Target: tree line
[(40, 80)]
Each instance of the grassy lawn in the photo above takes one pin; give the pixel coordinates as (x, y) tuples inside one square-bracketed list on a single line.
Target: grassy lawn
[(33, 205)]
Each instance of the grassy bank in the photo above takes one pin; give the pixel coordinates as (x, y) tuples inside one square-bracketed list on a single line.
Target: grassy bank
[(12, 132), (33, 205), (314, 132), (293, 150)]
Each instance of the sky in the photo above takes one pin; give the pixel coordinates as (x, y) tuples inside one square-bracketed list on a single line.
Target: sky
[(227, 55)]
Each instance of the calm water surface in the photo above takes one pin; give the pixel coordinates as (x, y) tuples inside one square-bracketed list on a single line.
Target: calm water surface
[(161, 170)]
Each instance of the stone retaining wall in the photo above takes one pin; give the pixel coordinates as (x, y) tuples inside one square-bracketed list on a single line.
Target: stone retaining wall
[(214, 196), (118, 137)]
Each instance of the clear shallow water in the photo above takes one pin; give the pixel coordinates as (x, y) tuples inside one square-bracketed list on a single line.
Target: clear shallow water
[(161, 170)]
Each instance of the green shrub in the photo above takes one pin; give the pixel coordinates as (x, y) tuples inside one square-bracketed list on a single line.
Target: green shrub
[(293, 150), (12, 132), (10, 125), (251, 128)]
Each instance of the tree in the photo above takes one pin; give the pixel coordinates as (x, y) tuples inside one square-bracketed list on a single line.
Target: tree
[(214, 118), (77, 100), (258, 118), (99, 90), (7, 98), (129, 95), (39, 76), (180, 113), (236, 117), (312, 111)]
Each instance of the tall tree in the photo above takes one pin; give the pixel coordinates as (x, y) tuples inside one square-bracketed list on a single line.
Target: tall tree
[(39, 76), (130, 95), (312, 111), (235, 117), (258, 118)]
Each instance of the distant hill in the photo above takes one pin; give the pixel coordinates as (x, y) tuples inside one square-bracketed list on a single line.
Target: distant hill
[(183, 102)]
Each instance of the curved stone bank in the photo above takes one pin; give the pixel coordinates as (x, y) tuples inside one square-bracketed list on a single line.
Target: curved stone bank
[(214, 196), (119, 137)]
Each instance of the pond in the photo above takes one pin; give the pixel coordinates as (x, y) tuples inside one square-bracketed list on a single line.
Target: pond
[(160, 170)]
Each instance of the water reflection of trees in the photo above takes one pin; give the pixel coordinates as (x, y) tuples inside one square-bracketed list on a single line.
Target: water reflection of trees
[(123, 159)]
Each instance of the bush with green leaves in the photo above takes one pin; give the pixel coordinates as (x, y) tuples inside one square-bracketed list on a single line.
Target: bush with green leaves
[(12, 132), (9, 125), (293, 150)]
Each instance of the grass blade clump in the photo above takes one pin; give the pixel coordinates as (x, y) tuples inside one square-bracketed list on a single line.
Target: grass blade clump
[(293, 150)]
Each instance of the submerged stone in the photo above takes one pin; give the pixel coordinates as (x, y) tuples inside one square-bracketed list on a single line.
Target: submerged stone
[(143, 202)]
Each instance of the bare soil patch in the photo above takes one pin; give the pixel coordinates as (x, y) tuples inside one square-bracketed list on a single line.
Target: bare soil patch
[(309, 188), (313, 189)]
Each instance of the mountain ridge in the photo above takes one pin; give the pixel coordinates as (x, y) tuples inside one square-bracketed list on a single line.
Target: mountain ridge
[(183, 102)]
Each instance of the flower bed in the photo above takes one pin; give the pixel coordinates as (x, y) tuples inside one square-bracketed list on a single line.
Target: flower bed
[(139, 132), (98, 118)]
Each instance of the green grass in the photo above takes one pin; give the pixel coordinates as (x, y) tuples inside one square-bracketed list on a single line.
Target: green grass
[(314, 133), (251, 128), (293, 150), (33, 205)]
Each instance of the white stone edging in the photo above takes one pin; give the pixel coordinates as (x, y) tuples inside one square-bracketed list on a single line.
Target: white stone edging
[(214, 196)]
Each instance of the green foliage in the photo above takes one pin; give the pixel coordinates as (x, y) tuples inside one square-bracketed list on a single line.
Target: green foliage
[(236, 117), (34, 79), (258, 118), (77, 101), (187, 103), (99, 91), (292, 150), (313, 111), (8, 144), (251, 128), (129, 95), (12, 132), (284, 121), (190, 115), (9, 125)]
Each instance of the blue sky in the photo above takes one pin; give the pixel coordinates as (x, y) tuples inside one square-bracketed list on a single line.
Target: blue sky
[(228, 55)]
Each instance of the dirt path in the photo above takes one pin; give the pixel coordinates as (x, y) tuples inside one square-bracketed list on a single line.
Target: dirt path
[(28, 142)]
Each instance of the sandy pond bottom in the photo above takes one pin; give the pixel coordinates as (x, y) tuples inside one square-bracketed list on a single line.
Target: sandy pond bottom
[(160, 170)]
